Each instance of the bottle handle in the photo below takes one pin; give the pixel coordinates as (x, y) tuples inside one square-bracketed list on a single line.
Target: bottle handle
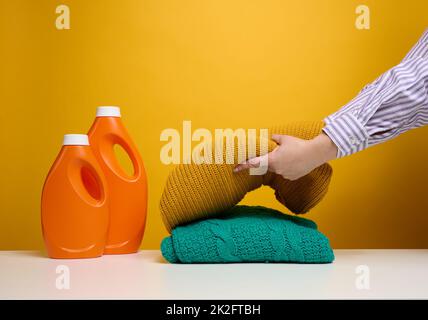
[(112, 161), (87, 182)]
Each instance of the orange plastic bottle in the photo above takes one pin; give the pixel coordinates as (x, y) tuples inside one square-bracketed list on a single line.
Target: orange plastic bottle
[(128, 194), (75, 210)]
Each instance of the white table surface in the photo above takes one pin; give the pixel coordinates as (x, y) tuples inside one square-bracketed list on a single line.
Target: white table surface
[(146, 275)]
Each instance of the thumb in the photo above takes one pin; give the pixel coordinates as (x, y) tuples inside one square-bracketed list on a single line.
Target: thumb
[(251, 163), (277, 138)]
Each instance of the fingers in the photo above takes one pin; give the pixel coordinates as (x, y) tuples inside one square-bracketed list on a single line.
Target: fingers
[(276, 138), (250, 163), (279, 138), (261, 160), (253, 163)]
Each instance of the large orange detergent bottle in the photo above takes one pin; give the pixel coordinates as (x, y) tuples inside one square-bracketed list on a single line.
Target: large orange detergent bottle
[(75, 205), (128, 193)]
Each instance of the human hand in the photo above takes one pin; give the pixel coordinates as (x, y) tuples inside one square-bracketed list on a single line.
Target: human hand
[(293, 158)]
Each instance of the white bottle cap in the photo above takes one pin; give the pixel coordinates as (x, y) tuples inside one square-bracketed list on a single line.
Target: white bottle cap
[(108, 111), (75, 140)]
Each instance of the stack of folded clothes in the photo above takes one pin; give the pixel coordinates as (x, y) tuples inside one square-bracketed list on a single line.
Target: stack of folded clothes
[(199, 208)]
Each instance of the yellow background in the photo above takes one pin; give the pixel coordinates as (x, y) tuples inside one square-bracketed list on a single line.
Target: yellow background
[(220, 64)]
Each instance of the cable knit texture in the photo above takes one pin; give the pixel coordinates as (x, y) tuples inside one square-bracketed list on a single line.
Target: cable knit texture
[(200, 191), (248, 234)]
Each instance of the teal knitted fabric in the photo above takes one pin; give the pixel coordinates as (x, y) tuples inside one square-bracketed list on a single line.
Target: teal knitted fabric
[(248, 234)]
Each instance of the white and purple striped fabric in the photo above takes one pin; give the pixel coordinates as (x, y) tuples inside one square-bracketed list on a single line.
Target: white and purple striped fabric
[(395, 102)]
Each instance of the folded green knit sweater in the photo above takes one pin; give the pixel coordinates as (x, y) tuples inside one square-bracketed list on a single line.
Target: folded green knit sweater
[(248, 234)]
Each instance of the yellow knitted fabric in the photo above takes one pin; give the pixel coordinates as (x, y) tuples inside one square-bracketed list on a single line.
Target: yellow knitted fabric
[(200, 191)]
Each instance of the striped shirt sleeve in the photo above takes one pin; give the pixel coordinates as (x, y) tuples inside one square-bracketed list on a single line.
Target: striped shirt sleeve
[(394, 103)]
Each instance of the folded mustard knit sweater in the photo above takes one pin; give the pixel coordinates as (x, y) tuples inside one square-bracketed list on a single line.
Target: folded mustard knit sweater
[(201, 191)]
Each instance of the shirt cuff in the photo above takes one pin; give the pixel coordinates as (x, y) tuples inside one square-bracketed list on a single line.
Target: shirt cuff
[(347, 133)]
